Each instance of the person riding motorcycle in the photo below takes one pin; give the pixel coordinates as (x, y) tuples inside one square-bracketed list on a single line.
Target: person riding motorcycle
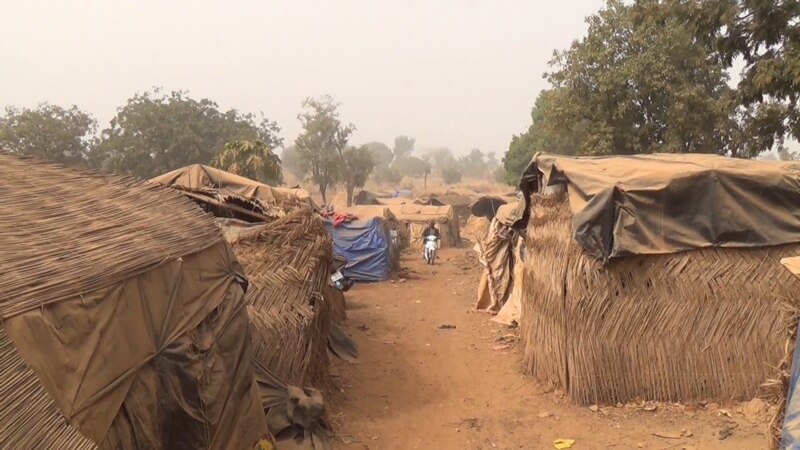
[(431, 230)]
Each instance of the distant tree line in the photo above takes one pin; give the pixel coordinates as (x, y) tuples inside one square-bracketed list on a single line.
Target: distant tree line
[(155, 132), (652, 76)]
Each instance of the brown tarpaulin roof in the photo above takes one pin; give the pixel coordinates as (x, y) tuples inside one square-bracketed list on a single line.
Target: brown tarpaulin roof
[(200, 176), (118, 297), (666, 203)]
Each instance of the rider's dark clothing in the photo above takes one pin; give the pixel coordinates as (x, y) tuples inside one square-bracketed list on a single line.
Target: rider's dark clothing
[(429, 230)]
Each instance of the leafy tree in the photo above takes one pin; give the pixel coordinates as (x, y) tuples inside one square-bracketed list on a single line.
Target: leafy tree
[(441, 158), (292, 163), (784, 154), (473, 164), (251, 159), (640, 86), (357, 164), (323, 140), (491, 161), (382, 155), (500, 175), (411, 166), (388, 174), (451, 175), (542, 135), (155, 133), (403, 147), (764, 34), (48, 131)]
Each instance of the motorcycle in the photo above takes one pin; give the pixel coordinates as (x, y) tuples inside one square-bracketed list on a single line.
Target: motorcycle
[(429, 249)]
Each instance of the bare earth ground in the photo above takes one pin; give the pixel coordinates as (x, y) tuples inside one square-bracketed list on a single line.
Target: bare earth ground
[(417, 385)]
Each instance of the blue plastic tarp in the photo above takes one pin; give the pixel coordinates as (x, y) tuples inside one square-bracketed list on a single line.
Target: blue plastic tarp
[(405, 193), (365, 246), (790, 438)]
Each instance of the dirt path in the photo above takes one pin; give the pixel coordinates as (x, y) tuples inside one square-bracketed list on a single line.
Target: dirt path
[(419, 385)]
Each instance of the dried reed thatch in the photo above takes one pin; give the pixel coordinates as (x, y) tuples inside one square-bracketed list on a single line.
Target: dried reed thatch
[(28, 414), (95, 298), (703, 324), (288, 266)]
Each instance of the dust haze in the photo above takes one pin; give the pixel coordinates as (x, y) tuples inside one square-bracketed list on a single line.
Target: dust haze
[(452, 74)]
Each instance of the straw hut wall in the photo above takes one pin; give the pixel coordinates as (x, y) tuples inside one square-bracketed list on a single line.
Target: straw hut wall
[(703, 324), (108, 328), (288, 265)]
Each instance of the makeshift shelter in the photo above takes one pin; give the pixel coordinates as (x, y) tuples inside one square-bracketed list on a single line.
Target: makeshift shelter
[(416, 217), (391, 222), (367, 198), (486, 206), (229, 195), (650, 278), (287, 262), (117, 298), (787, 426), (476, 228), (429, 201), (459, 202), (500, 254), (481, 212), (366, 246)]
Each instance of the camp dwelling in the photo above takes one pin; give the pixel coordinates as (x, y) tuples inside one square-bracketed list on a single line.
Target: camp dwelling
[(365, 242), (225, 194), (415, 218), (652, 277), (117, 298), (286, 254)]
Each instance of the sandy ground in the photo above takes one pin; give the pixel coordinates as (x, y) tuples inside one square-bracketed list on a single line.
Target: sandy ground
[(419, 384)]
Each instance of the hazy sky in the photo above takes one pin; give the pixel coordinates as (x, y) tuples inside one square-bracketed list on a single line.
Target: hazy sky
[(460, 74)]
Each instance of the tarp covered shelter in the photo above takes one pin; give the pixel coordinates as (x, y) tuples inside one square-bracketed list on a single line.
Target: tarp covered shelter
[(486, 206), (416, 217), (366, 246), (499, 253), (364, 197), (217, 185), (666, 203), (117, 298), (384, 213), (650, 277)]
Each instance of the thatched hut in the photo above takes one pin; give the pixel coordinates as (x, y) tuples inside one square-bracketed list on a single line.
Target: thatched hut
[(286, 254), (287, 262), (117, 298), (652, 276)]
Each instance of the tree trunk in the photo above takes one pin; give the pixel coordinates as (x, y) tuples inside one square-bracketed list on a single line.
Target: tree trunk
[(350, 190), (425, 183), (322, 190)]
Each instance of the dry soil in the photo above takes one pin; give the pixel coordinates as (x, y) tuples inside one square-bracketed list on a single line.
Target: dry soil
[(433, 374)]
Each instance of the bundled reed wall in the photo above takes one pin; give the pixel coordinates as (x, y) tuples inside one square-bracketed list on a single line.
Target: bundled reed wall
[(706, 324), (288, 267)]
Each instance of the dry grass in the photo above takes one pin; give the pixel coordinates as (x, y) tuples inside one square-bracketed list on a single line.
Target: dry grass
[(707, 324)]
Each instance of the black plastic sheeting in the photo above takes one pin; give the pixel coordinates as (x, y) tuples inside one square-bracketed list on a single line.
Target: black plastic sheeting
[(658, 204)]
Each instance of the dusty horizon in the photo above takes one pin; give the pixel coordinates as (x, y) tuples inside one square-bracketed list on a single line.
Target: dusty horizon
[(450, 74)]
